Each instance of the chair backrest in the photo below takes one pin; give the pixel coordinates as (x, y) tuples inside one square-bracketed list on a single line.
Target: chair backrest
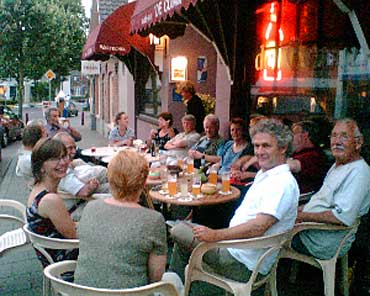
[(17, 206), (41, 243), (53, 272), (271, 244)]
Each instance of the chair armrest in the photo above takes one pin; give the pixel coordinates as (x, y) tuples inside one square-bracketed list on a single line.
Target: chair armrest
[(272, 241)]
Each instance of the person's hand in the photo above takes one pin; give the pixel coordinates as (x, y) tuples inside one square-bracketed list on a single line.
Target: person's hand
[(205, 234), (153, 133), (93, 184)]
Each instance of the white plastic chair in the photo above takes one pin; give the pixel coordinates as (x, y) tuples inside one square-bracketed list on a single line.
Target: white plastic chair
[(195, 272), (327, 266), (41, 243), (15, 238), (53, 272)]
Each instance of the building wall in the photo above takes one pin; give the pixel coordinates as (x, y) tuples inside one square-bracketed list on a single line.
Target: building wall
[(192, 45)]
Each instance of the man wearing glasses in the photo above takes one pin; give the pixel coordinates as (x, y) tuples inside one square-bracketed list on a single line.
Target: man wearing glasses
[(344, 196)]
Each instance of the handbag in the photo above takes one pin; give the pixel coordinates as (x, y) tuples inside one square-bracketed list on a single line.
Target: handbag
[(182, 233)]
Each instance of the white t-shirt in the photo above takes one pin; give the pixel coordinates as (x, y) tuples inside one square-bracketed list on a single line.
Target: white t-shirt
[(346, 193), (23, 168), (276, 193)]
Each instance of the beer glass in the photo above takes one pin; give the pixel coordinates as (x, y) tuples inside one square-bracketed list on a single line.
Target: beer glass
[(225, 177)]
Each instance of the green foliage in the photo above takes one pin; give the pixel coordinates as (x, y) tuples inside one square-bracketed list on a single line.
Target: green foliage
[(37, 35), (209, 102), (40, 91)]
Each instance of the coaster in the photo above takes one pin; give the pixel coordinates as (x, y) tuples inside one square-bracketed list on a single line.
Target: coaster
[(185, 198), (225, 193)]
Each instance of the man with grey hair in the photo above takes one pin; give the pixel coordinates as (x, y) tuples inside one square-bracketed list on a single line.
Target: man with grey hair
[(269, 207), (182, 142), (53, 126), (72, 182), (344, 196), (209, 143)]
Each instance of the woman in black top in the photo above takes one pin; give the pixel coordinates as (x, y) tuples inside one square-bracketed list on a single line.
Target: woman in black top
[(194, 104), (165, 132)]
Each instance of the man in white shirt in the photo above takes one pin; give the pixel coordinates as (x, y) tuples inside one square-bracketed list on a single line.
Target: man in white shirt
[(269, 207), (344, 196), (71, 182)]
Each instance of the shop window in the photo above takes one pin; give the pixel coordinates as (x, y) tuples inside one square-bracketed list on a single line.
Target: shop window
[(151, 103)]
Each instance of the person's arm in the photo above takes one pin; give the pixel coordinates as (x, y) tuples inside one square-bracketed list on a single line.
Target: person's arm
[(253, 228), (88, 189), (74, 133), (156, 267), (52, 207), (320, 217), (251, 161), (171, 132), (294, 165)]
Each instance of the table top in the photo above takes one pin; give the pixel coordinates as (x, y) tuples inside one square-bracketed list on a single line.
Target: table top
[(104, 151), (204, 200)]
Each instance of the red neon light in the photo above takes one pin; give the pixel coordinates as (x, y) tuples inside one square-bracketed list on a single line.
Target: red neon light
[(269, 73)]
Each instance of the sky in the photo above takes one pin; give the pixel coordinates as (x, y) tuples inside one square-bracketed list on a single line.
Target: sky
[(87, 6)]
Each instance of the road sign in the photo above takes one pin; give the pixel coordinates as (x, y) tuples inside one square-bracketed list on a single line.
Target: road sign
[(50, 75)]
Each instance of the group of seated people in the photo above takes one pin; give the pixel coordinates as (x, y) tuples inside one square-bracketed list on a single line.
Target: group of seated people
[(127, 243)]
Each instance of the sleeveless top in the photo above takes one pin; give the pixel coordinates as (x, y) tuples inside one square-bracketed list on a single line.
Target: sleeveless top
[(45, 227), (161, 141)]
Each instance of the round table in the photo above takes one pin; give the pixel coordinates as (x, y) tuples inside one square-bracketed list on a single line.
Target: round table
[(104, 151), (207, 199)]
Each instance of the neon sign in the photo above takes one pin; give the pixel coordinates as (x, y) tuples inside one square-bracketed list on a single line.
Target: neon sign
[(269, 59)]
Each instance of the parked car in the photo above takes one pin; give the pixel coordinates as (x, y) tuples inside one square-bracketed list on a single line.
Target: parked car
[(70, 109), (11, 125)]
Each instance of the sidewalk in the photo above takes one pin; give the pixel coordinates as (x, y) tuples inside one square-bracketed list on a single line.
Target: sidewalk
[(20, 271)]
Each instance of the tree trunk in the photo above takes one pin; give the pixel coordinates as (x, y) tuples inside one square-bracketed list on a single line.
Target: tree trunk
[(20, 92)]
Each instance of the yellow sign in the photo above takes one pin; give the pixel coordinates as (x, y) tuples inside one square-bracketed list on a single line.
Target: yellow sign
[(50, 75)]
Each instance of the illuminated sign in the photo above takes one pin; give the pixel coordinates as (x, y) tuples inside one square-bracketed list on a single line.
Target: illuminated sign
[(269, 59), (179, 68)]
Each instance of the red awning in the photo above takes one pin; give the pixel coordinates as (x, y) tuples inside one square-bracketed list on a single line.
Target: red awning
[(149, 12), (112, 37)]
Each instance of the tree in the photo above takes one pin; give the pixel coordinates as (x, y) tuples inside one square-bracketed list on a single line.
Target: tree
[(38, 35)]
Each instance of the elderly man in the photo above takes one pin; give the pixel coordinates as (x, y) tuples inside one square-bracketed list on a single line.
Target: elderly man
[(269, 207), (208, 144), (308, 161), (53, 126), (182, 142), (344, 196), (73, 182)]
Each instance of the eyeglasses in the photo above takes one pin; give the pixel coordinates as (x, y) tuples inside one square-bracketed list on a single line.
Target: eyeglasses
[(59, 159), (342, 138)]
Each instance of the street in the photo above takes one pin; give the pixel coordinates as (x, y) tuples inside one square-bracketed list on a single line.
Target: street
[(20, 271)]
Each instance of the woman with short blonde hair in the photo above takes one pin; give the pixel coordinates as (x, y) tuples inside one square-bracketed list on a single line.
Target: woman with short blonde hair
[(128, 183), (125, 241)]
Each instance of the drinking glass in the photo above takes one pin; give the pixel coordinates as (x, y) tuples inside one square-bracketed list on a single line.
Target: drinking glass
[(212, 177), (184, 186), (180, 161), (190, 164), (196, 185), (172, 183), (225, 177), (164, 179)]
